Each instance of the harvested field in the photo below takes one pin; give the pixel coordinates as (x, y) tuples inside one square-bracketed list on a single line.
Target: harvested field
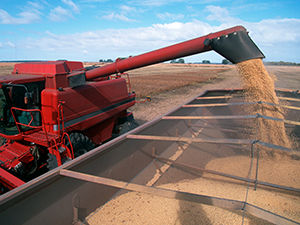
[(154, 84), (6, 68), (155, 79)]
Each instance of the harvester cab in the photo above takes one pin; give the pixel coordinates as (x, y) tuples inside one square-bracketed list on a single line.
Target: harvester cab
[(18, 95), (54, 111)]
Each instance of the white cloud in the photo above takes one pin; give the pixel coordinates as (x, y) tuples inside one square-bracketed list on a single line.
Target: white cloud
[(279, 39), (122, 14), (73, 6), (31, 13), (217, 13), (24, 17), (59, 14), (35, 5), (47, 32), (273, 31), (155, 2), (125, 8), (113, 43), (10, 44), (93, 1), (169, 16), (116, 16), (266, 32)]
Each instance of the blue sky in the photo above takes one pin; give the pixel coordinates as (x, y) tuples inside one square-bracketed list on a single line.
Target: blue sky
[(89, 30)]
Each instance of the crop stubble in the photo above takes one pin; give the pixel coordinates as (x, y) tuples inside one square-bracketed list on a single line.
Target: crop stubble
[(160, 81)]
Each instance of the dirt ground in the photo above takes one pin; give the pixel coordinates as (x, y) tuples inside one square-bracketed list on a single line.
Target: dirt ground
[(285, 76)]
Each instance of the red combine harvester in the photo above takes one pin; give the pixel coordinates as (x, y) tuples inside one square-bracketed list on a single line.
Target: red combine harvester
[(54, 111)]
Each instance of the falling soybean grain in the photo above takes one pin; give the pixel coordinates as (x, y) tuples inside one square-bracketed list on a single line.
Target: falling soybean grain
[(258, 85)]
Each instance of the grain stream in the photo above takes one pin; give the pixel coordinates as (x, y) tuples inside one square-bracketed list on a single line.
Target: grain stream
[(258, 85)]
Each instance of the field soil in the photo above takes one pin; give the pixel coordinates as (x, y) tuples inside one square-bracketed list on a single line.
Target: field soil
[(221, 77), (204, 77)]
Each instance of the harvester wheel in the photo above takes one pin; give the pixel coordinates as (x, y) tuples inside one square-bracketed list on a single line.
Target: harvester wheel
[(81, 143), (125, 126), (128, 126), (51, 162)]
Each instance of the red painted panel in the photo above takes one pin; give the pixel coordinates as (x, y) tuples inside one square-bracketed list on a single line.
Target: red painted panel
[(13, 153), (92, 97), (100, 117), (47, 68), (9, 180), (20, 79), (49, 108), (83, 105), (72, 65)]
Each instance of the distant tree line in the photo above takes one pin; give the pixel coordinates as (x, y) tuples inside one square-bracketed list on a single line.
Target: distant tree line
[(282, 63), (205, 61), (177, 61), (106, 60)]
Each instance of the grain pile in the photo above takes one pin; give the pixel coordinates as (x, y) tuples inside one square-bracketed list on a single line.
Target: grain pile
[(259, 86), (139, 208)]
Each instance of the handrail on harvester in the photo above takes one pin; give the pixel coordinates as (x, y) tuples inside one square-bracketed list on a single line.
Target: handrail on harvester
[(187, 48)]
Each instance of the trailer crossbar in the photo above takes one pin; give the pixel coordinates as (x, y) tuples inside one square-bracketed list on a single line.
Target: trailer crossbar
[(198, 169), (223, 117), (229, 96), (185, 196), (214, 97), (226, 117), (207, 140), (238, 104), (192, 140)]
